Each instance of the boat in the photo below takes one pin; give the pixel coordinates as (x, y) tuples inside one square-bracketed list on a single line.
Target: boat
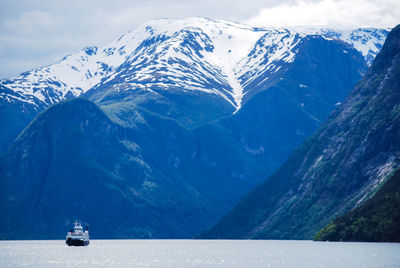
[(77, 237)]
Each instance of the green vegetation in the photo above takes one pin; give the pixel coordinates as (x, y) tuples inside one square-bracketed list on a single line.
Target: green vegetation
[(378, 219)]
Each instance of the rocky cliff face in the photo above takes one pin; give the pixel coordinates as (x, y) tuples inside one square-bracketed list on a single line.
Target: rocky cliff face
[(336, 168)]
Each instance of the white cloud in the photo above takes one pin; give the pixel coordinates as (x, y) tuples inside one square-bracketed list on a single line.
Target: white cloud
[(339, 13)]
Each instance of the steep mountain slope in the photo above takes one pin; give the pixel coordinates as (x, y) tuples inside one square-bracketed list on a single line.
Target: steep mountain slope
[(215, 65), (336, 168), (376, 220)]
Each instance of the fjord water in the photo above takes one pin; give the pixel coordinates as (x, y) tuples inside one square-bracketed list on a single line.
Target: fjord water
[(198, 253)]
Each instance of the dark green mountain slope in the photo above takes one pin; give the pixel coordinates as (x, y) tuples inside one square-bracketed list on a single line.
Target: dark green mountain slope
[(336, 168), (87, 167), (376, 220)]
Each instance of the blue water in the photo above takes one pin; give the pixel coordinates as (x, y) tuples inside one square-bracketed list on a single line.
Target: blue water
[(198, 253)]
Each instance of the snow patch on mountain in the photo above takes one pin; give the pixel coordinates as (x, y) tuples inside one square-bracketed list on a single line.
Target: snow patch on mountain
[(274, 47), (232, 43)]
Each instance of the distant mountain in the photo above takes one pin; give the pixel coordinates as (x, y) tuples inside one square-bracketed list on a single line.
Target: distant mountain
[(193, 114), (163, 50), (336, 169), (87, 167)]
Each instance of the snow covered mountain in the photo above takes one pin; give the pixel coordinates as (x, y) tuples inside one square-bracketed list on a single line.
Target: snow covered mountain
[(177, 120), (195, 54)]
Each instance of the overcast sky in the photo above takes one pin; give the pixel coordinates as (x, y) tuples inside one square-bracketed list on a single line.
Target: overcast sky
[(34, 33)]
